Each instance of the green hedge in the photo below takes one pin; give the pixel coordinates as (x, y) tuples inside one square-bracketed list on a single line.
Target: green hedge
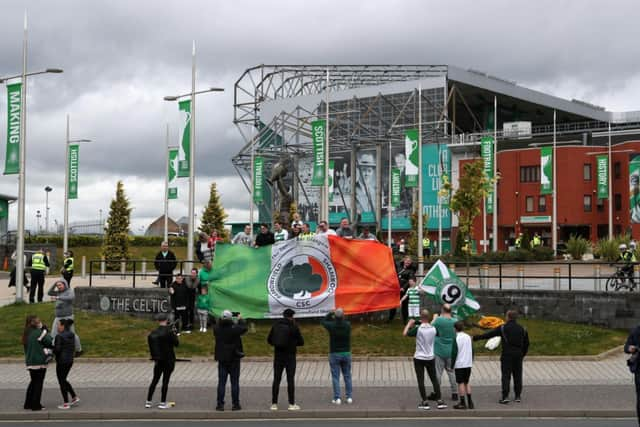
[(96, 241)]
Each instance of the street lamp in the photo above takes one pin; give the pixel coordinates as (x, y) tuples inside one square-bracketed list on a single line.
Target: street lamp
[(47, 190), (65, 238), (38, 216), (21, 173), (192, 144)]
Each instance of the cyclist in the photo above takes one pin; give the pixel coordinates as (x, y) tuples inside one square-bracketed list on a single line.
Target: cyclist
[(628, 257)]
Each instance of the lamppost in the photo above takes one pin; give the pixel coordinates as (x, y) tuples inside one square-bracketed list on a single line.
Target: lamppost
[(69, 141), (21, 173), (47, 190), (192, 140), (38, 216)]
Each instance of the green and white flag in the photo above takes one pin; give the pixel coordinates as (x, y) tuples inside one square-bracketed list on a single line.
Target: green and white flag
[(14, 111), (546, 170), (184, 159), (396, 186), (74, 159), (443, 286), (331, 173), (318, 137), (486, 150), (411, 158), (172, 190), (258, 180), (602, 167)]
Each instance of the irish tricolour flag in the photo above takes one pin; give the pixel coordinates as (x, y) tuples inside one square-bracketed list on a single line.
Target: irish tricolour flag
[(311, 277)]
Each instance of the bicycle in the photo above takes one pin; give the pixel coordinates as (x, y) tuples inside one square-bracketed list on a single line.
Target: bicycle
[(621, 281)]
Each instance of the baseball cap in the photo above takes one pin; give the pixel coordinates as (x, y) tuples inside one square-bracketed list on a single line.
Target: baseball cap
[(227, 314), (161, 317)]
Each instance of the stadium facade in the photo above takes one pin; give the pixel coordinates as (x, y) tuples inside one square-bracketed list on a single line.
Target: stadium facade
[(371, 107)]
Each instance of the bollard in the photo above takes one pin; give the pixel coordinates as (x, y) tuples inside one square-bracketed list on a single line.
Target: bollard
[(123, 269), (520, 280), (484, 276), (636, 276), (102, 268), (143, 268), (84, 266), (597, 286), (556, 278)]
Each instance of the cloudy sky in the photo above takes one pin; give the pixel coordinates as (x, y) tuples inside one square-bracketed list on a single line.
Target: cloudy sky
[(121, 57)]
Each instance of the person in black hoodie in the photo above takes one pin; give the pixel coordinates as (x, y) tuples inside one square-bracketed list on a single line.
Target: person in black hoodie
[(228, 352), (180, 299), (64, 347), (632, 346), (285, 337), (265, 237), (162, 341), (165, 263), (515, 345)]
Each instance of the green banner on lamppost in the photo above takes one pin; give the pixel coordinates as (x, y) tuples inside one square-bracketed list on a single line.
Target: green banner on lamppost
[(411, 158), (184, 163), (602, 167), (332, 166), (74, 158), (486, 150), (318, 137), (546, 170), (258, 180), (4, 208), (396, 186), (172, 190), (14, 112)]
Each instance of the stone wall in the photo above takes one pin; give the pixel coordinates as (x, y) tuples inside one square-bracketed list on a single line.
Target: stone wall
[(141, 302), (613, 310)]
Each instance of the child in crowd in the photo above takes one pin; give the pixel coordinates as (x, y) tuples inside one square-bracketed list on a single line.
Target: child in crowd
[(202, 306), (463, 356), (179, 301), (413, 295)]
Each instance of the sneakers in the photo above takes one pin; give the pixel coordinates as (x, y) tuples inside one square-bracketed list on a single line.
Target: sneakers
[(441, 404), (432, 396), (186, 331), (336, 401), (424, 406), (460, 406), (454, 397), (75, 401), (293, 407), (517, 399), (274, 407), (470, 404), (148, 404), (163, 405), (504, 401), (349, 400), (64, 406), (236, 407), (220, 408)]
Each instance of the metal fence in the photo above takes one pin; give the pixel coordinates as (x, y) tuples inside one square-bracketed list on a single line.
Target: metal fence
[(132, 269)]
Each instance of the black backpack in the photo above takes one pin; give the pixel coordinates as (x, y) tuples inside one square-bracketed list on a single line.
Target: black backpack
[(281, 335)]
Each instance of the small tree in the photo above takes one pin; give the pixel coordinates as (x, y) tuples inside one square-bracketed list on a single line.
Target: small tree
[(213, 216), (116, 238), (412, 243), (466, 203)]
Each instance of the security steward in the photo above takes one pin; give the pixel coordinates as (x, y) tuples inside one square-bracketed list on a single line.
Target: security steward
[(39, 264), (67, 267), (426, 247)]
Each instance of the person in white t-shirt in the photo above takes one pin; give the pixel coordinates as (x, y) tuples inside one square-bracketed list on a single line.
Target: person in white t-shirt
[(279, 233), (424, 358), (323, 228), (463, 356)]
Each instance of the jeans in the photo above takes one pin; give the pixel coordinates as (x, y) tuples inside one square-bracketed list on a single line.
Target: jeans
[(62, 371), (162, 368), (430, 365), (231, 369), (34, 390), (441, 365), (203, 317), (280, 363), (511, 365), (338, 363)]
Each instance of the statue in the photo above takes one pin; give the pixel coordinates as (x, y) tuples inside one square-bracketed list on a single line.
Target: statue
[(278, 174)]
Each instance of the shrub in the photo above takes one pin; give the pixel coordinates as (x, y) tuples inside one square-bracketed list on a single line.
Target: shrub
[(542, 253), (577, 246), (608, 249)]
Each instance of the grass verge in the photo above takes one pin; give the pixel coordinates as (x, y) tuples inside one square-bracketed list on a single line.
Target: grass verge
[(125, 336)]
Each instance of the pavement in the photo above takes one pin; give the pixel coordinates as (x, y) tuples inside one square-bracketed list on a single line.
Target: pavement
[(558, 387)]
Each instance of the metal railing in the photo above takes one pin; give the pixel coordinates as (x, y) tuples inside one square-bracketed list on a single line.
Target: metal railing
[(131, 268)]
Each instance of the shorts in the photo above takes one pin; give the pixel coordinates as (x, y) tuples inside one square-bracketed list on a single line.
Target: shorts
[(463, 375), (414, 311)]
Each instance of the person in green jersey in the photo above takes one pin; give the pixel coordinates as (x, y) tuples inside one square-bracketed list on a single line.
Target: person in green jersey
[(413, 296), (443, 347)]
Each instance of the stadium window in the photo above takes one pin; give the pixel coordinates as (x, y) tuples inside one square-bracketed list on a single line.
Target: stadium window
[(616, 170), (529, 173), (618, 201), (586, 202), (542, 204), (600, 205), (529, 204), (586, 171)]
